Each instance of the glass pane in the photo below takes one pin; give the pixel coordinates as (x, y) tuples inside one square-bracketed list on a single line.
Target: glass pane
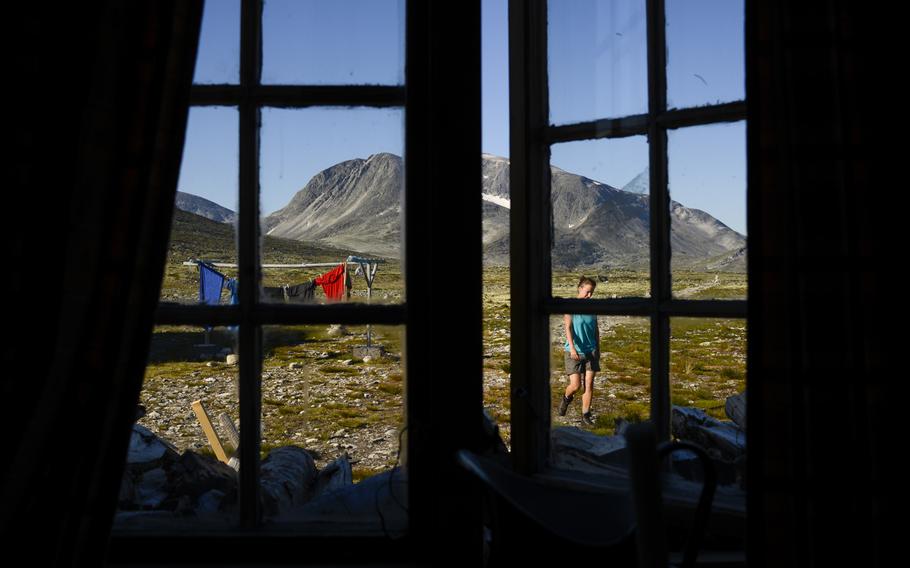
[(333, 411), (621, 392), (179, 473), (497, 344), (495, 206), (218, 58), (338, 42), (705, 52), (598, 59), (601, 217), (707, 175), (707, 386), (204, 222), (332, 183)]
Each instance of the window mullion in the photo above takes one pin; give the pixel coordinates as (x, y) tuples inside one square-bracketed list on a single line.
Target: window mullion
[(660, 218), (248, 265), (531, 234)]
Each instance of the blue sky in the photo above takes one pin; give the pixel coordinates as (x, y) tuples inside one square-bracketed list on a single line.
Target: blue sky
[(597, 69)]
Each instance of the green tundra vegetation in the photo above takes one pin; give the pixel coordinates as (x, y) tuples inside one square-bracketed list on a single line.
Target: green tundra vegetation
[(318, 395)]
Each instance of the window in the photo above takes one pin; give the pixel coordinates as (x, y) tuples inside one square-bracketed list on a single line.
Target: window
[(284, 101), (635, 103)]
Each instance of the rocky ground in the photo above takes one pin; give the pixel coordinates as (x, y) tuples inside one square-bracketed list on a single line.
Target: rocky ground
[(315, 395)]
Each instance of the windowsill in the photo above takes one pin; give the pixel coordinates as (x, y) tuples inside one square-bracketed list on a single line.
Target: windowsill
[(367, 509), (727, 519)]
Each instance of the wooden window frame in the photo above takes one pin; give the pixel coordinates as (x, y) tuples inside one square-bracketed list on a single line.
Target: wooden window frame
[(442, 66), (532, 302)]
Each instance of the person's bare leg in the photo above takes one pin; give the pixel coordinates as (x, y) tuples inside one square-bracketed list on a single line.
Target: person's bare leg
[(574, 384), (589, 392)]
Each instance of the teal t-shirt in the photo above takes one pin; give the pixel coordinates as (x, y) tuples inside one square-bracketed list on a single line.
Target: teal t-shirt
[(584, 333)]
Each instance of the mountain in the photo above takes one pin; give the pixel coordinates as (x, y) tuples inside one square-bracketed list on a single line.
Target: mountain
[(204, 208), (356, 205), (640, 184), (597, 225), (194, 236)]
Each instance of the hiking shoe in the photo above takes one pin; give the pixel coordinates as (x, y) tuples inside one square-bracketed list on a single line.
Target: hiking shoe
[(564, 405), (588, 418)]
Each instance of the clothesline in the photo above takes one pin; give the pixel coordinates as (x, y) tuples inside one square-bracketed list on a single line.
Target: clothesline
[(350, 260), (334, 283)]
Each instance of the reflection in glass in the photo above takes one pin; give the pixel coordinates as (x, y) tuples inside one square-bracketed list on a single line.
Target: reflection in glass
[(337, 42), (332, 409), (622, 386), (601, 216), (181, 471), (218, 58), (332, 184), (707, 182), (205, 218), (705, 52), (598, 64), (707, 389)]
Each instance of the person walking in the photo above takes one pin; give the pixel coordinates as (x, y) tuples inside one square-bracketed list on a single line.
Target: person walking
[(582, 354)]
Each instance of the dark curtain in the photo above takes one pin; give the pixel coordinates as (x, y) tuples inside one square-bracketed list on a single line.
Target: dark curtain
[(824, 220), (98, 103)]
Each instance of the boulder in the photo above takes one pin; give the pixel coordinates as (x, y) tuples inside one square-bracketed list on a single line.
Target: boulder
[(195, 474), (147, 451)]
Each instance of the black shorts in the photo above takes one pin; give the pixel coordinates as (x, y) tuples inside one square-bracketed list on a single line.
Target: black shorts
[(587, 359)]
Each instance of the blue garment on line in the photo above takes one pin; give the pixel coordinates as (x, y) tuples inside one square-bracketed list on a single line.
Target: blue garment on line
[(231, 285), (210, 283)]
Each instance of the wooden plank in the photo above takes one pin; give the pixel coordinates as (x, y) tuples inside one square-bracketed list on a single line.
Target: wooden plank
[(209, 431)]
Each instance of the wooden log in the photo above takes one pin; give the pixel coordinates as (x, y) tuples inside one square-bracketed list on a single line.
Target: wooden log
[(209, 431), (694, 425), (735, 407), (287, 475), (228, 426)]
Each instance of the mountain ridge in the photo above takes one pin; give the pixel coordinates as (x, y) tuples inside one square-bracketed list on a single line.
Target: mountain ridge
[(357, 204)]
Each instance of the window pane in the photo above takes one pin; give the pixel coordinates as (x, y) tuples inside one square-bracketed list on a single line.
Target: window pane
[(218, 59), (205, 218), (601, 217), (598, 64), (707, 176), (178, 473), (497, 345), (707, 386), (333, 411), (621, 393), (337, 42), (705, 52), (332, 183)]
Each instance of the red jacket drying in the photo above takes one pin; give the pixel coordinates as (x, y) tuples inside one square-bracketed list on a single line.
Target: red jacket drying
[(332, 282)]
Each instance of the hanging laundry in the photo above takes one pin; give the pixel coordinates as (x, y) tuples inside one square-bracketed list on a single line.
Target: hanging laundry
[(333, 282), (231, 285), (302, 293), (210, 284), (232, 288), (273, 294)]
